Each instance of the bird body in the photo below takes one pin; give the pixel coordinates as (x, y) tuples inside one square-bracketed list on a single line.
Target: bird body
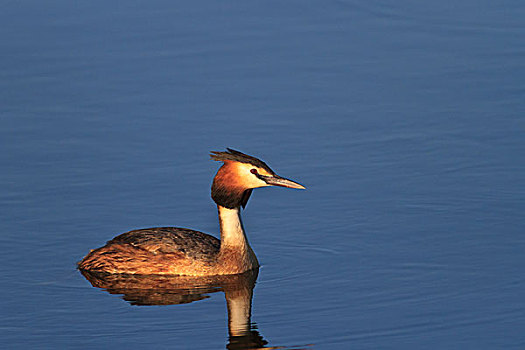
[(180, 251)]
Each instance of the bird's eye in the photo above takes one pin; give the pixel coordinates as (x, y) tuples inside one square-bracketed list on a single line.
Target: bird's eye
[(254, 171)]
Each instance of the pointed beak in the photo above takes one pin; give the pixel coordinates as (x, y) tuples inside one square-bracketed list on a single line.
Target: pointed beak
[(276, 180)]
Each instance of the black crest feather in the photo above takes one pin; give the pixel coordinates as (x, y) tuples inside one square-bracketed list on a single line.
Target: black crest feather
[(236, 156)]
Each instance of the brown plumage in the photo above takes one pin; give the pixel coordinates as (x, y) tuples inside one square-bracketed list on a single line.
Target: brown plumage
[(179, 251), (163, 250)]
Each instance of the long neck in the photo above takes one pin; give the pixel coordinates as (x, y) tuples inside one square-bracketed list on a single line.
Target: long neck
[(236, 255), (232, 231)]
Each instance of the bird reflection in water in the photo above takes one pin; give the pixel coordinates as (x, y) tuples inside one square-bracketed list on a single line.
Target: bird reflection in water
[(172, 290)]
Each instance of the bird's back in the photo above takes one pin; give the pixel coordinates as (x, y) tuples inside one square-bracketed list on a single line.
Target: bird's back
[(159, 250)]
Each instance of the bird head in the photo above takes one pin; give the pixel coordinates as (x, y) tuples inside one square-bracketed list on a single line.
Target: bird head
[(239, 175)]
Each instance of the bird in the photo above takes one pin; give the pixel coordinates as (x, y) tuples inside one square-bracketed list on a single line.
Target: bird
[(181, 251)]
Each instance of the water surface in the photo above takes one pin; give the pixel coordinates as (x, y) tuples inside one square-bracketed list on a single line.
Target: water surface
[(404, 121)]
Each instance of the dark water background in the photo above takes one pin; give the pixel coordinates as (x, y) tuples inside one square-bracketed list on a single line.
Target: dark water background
[(405, 120)]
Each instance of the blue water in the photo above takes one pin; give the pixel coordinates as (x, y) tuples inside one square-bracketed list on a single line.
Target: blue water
[(405, 121)]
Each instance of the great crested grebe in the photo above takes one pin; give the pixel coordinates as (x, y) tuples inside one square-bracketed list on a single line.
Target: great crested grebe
[(180, 251)]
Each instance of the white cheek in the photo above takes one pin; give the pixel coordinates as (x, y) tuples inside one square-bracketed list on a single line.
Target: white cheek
[(251, 180), (256, 182), (261, 183)]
